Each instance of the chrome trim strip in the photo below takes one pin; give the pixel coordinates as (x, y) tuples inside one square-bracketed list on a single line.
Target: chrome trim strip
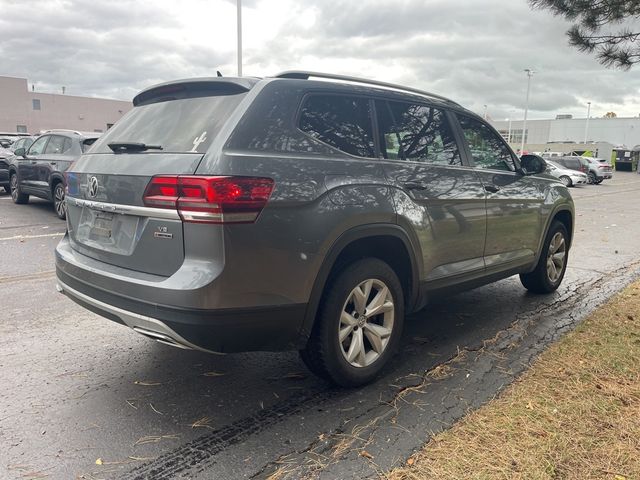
[(125, 209), (139, 323)]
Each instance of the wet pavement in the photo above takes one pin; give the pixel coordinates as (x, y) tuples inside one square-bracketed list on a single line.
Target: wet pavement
[(82, 397)]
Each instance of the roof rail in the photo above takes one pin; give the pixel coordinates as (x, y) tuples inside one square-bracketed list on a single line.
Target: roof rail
[(305, 75), (66, 130)]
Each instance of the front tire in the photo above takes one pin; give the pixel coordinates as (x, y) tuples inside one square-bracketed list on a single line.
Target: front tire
[(58, 201), (592, 178), (566, 181), (16, 195), (552, 264), (359, 324)]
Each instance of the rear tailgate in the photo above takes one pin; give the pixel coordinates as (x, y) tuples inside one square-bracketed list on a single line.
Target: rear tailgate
[(108, 221), (167, 132)]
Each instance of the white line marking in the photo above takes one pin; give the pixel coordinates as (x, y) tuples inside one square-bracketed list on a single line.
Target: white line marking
[(25, 237)]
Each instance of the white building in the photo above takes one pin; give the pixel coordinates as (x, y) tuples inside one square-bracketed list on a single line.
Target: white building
[(616, 131), (24, 110)]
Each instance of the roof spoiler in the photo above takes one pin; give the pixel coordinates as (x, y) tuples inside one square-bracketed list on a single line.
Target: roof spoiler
[(193, 88)]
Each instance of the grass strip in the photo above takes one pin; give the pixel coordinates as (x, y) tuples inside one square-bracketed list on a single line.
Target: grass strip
[(575, 414)]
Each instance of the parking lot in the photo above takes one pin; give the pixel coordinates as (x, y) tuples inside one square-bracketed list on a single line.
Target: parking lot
[(83, 397)]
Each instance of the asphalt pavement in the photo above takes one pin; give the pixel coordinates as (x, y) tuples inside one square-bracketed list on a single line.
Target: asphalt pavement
[(82, 397)]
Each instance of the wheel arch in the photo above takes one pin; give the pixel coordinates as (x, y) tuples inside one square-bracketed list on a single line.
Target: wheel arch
[(565, 215), (56, 178), (387, 242)]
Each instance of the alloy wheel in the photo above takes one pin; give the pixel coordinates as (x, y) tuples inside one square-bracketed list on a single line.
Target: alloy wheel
[(366, 323), (14, 187), (58, 200), (556, 257)]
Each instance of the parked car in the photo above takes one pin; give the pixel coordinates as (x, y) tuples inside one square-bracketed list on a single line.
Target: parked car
[(22, 142), (599, 170), (5, 155), (39, 170), (236, 214), (573, 163), (569, 177)]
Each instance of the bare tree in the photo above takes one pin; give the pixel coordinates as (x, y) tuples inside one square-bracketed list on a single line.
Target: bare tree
[(608, 28)]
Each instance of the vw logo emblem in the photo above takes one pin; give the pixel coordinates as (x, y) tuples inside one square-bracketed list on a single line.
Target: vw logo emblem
[(93, 187)]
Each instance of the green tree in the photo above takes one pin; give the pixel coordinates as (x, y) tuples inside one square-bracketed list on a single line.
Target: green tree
[(603, 27)]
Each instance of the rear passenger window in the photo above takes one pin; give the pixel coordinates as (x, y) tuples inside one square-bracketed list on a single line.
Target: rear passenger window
[(57, 145), (488, 150), (340, 121), (416, 132)]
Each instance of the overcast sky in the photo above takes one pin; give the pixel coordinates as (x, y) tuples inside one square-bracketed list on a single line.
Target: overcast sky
[(473, 51)]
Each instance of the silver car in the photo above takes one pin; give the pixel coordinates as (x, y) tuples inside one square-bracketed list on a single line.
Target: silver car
[(292, 212), (569, 177)]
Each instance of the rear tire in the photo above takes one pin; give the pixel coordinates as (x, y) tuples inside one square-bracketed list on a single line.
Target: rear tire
[(16, 195), (599, 181), (8, 189), (358, 326), (58, 201), (592, 178), (566, 181), (552, 264)]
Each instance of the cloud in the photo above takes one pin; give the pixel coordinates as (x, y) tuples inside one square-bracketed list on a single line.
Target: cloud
[(474, 52)]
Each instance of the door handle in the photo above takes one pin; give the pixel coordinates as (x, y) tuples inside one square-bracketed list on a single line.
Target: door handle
[(492, 188), (414, 186), (52, 163), (33, 162)]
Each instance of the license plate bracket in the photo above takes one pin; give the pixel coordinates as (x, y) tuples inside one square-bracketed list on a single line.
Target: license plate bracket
[(102, 225)]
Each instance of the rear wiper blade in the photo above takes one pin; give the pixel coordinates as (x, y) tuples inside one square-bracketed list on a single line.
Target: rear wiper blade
[(122, 147)]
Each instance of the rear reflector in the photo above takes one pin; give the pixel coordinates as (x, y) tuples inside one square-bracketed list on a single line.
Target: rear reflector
[(210, 199)]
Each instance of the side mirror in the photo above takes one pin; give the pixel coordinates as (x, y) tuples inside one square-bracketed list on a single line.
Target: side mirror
[(532, 164), (20, 152)]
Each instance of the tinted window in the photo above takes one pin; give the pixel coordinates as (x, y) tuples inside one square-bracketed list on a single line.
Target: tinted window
[(340, 121), (58, 145), (416, 132), (38, 146), (488, 149), (185, 125)]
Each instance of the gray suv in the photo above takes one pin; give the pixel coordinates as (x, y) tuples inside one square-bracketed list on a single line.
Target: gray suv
[(291, 212)]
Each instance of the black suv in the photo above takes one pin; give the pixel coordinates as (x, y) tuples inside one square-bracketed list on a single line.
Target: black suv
[(39, 171)]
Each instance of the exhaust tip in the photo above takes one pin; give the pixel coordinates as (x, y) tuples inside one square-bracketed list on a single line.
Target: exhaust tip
[(59, 288)]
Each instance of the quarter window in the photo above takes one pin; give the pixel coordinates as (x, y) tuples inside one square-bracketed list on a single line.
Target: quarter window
[(488, 149), (38, 146), (416, 132), (340, 121)]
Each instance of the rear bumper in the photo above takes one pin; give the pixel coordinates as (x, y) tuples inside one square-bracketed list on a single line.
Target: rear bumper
[(222, 331)]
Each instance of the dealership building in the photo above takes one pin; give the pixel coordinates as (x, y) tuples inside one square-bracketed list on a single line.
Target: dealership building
[(567, 134), (24, 110)]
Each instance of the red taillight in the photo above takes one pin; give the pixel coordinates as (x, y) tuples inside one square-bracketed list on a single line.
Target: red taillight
[(210, 199)]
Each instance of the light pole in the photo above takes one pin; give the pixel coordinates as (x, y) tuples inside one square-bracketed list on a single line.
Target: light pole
[(239, 5), (526, 107), (485, 112), (509, 134), (586, 126)]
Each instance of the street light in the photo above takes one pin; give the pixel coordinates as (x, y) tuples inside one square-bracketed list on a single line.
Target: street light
[(526, 107), (509, 134), (239, 5), (586, 126), (485, 112)]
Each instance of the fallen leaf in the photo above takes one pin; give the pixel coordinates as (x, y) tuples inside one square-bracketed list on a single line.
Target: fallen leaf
[(411, 461), (99, 461), (529, 406), (366, 454)]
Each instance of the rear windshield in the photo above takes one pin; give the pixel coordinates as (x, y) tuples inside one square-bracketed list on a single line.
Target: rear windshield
[(185, 125)]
